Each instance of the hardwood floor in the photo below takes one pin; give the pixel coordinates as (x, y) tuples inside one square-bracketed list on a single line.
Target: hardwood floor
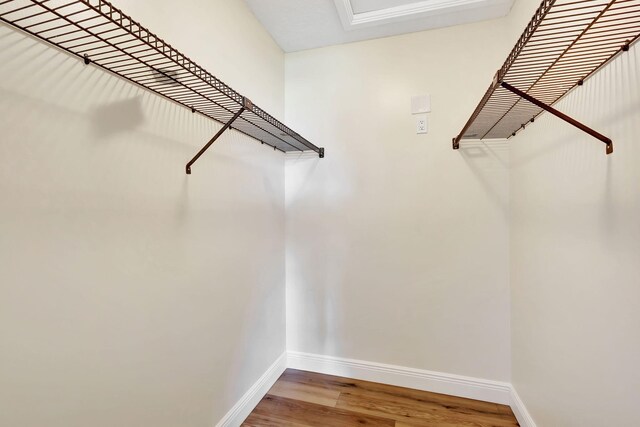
[(303, 399)]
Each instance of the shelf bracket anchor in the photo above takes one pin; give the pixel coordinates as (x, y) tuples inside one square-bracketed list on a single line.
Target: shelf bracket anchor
[(563, 116), (245, 104)]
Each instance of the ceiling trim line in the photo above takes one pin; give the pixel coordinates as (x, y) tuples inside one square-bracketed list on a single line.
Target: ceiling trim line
[(421, 9), (345, 11)]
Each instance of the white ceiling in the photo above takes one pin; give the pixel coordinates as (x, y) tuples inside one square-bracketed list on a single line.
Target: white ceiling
[(305, 24)]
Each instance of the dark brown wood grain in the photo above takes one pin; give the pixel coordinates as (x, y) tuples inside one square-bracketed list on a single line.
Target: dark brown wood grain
[(304, 399)]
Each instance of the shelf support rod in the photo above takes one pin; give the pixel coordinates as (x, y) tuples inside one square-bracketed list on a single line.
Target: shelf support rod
[(563, 116), (216, 136)]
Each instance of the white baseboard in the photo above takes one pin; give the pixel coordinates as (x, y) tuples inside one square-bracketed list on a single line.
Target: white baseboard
[(252, 397), (520, 411), (420, 379), (437, 382)]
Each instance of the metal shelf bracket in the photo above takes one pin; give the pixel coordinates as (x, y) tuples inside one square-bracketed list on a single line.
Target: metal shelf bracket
[(246, 104), (563, 116)]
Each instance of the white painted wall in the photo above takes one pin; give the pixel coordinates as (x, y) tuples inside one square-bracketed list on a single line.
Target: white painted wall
[(575, 248), (397, 246), (130, 293)]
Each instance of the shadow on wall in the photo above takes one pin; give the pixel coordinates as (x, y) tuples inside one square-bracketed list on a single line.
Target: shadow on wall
[(40, 74), (35, 74), (300, 158), (64, 84), (609, 103), (489, 162), (579, 105), (117, 117)]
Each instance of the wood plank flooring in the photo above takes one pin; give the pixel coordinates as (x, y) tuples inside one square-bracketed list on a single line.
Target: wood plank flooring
[(306, 399)]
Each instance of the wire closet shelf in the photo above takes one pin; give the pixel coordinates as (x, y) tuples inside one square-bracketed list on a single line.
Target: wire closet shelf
[(565, 42), (99, 33)]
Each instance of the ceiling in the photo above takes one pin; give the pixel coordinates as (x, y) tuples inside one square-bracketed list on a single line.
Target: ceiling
[(305, 24)]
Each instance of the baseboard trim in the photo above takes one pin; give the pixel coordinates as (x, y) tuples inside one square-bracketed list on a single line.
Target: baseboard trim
[(420, 379), (520, 411), (437, 382), (252, 397)]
